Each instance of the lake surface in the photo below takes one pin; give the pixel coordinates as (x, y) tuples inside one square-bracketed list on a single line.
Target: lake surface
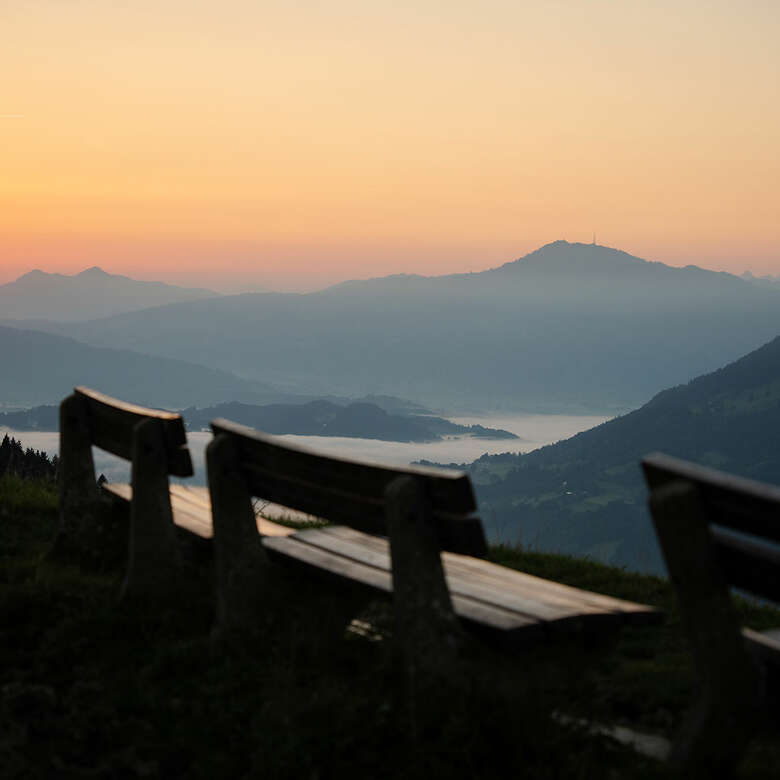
[(535, 430)]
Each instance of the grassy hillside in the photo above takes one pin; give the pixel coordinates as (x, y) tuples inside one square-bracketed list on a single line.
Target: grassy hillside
[(89, 689), (586, 495)]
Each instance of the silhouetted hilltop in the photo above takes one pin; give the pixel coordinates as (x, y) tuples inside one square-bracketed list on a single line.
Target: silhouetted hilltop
[(564, 257), (38, 295), (585, 495)]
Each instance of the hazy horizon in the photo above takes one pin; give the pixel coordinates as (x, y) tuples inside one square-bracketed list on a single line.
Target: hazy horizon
[(237, 285)]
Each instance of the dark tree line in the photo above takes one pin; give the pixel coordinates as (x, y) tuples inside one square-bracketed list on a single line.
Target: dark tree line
[(26, 463)]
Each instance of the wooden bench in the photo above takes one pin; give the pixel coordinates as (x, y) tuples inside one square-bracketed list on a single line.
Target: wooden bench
[(432, 561), (156, 444), (718, 531)]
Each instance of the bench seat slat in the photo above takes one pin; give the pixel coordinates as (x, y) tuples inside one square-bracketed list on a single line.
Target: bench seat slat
[(565, 609), (529, 603), (197, 496), (522, 595), (502, 577), (192, 510), (508, 625)]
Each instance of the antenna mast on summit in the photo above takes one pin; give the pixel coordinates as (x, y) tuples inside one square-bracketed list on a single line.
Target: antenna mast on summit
[(594, 238)]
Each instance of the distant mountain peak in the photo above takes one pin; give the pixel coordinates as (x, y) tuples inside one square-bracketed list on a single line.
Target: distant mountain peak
[(94, 271), (562, 255), (36, 273), (93, 293)]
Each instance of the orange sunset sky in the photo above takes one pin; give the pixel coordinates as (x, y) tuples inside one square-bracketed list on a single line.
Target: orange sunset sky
[(249, 144)]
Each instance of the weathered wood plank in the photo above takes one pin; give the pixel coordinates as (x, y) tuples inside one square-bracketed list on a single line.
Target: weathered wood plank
[(352, 492), (523, 596), (506, 577), (730, 501), (528, 601), (191, 507), (503, 578), (189, 494), (476, 614), (186, 514), (462, 533), (123, 408), (192, 520), (293, 547), (112, 422), (276, 455)]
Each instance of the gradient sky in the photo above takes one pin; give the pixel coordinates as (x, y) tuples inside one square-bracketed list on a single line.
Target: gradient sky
[(255, 143)]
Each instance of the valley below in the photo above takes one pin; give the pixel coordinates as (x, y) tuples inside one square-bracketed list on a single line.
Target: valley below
[(532, 430)]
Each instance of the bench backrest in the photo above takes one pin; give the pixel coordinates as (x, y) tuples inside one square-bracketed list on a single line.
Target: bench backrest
[(351, 492), (111, 423), (743, 517)]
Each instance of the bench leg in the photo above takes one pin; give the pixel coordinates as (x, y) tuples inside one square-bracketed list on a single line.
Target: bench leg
[(240, 562), (428, 631), (77, 536), (154, 558), (717, 730)]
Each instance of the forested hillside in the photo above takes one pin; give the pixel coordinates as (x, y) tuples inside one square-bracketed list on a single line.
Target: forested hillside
[(586, 495)]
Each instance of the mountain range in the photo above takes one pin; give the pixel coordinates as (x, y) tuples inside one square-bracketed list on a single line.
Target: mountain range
[(569, 327), (42, 368), (90, 294), (586, 495)]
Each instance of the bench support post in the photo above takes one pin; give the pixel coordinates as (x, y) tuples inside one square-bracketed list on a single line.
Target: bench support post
[(428, 630), (154, 558), (240, 562), (78, 492), (716, 732)]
